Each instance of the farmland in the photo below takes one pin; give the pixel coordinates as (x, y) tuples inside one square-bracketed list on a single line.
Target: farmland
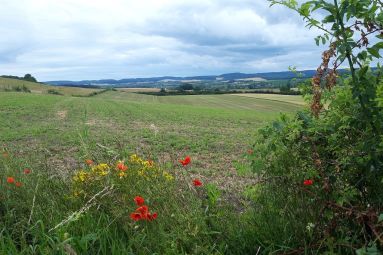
[(213, 129), (53, 135)]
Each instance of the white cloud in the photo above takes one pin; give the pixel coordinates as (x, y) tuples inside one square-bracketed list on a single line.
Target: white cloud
[(94, 39)]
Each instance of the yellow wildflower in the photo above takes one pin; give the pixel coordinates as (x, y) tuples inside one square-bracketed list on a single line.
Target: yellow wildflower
[(121, 174), (148, 163), (101, 169), (136, 159), (168, 176), (80, 176)]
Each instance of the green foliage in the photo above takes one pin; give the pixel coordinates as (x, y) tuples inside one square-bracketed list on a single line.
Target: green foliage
[(369, 250), (213, 194), (185, 86), (284, 157), (54, 92), (285, 89), (29, 77), (22, 88), (321, 174)]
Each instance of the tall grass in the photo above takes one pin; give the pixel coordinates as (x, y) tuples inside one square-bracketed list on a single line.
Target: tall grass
[(53, 214)]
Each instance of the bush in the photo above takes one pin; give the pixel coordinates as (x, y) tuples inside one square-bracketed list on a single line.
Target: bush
[(18, 89), (54, 92), (322, 171), (318, 178)]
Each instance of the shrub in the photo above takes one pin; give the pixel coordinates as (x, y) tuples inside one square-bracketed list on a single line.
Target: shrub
[(54, 92), (18, 89), (322, 170)]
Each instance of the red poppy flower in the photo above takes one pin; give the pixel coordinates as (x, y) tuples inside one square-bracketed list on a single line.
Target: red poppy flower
[(89, 162), (135, 216), (139, 200), (185, 161), (18, 184), (197, 182), (122, 167), (152, 216), (11, 180), (250, 151), (142, 209), (308, 182), (27, 171)]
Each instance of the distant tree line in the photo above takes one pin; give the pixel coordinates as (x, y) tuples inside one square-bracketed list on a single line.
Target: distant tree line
[(27, 77), (164, 92)]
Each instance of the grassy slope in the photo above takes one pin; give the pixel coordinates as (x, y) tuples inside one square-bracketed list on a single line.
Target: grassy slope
[(6, 83), (216, 130)]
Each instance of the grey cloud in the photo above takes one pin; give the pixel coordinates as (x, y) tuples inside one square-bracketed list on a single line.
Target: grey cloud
[(84, 39)]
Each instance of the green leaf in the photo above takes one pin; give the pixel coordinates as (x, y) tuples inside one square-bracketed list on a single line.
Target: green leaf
[(378, 46), (374, 52), (370, 250), (329, 19), (380, 217), (305, 9), (362, 55), (213, 193)]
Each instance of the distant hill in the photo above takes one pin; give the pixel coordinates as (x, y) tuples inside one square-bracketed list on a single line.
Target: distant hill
[(20, 85), (222, 77), (268, 76)]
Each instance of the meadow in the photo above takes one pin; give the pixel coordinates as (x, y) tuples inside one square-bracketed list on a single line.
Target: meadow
[(54, 135)]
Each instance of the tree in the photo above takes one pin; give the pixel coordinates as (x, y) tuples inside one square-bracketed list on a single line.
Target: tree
[(186, 86), (29, 77), (286, 88)]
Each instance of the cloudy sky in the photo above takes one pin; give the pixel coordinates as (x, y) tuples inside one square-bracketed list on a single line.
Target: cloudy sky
[(95, 39)]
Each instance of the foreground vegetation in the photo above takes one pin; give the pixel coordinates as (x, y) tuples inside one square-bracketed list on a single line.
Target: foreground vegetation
[(329, 159), (53, 136)]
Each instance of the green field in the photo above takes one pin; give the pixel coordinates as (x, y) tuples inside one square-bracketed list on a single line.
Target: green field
[(53, 135), (215, 130)]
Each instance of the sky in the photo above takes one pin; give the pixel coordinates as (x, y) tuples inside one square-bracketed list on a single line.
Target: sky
[(115, 39)]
